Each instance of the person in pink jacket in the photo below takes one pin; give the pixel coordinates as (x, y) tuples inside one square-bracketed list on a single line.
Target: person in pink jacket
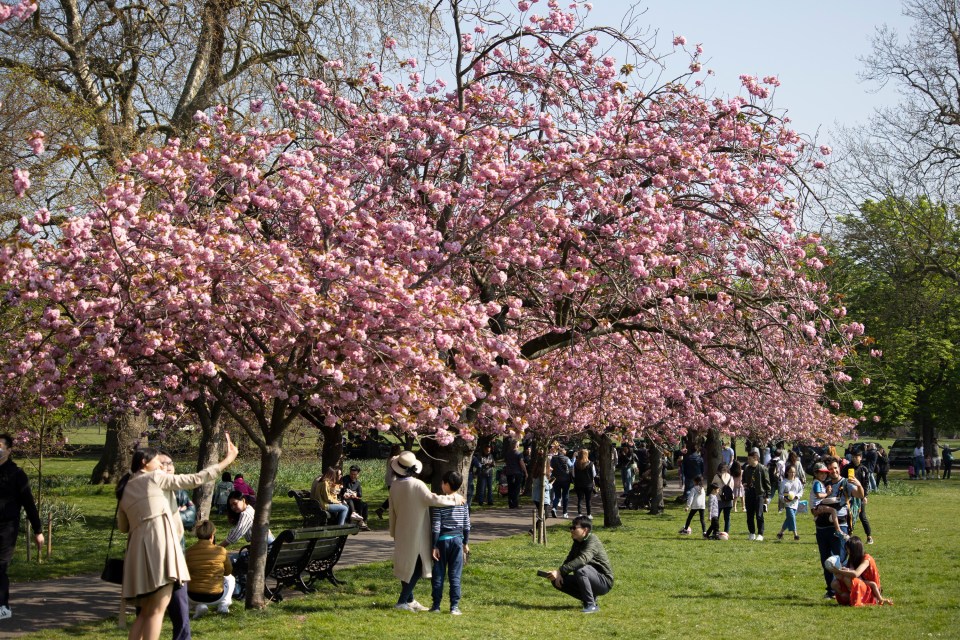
[(410, 502)]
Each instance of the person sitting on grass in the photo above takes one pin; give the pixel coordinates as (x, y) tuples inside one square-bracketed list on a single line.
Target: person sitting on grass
[(857, 582), (586, 573), (211, 572), (818, 493), (451, 537)]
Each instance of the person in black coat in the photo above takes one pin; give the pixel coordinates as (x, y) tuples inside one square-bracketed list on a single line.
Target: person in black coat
[(15, 494)]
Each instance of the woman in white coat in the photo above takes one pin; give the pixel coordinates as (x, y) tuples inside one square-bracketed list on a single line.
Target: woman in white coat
[(410, 502)]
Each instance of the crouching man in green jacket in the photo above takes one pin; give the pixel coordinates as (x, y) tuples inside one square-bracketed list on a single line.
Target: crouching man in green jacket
[(586, 573)]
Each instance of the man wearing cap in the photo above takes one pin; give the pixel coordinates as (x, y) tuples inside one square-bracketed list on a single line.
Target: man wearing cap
[(838, 490), (410, 502), (756, 486)]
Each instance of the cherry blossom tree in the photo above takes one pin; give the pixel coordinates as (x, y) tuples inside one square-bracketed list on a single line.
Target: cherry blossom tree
[(246, 273)]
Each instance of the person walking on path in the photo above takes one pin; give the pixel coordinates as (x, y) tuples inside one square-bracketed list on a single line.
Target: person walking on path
[(756, 487), (154, 564), (561, 467), (584, 474), (515, 470), (586, 573), (410, 502), (484, 493), (15, 495)]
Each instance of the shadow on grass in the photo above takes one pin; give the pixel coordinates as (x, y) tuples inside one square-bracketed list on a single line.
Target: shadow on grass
[(792, 601)]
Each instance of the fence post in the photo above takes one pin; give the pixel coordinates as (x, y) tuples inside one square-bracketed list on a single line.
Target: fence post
[(49, 535)]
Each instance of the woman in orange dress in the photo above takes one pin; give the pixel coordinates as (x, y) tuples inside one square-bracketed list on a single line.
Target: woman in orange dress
[(857, 584)]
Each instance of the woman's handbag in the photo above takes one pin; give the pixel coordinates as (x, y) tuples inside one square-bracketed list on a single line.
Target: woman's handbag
[(113, 567)]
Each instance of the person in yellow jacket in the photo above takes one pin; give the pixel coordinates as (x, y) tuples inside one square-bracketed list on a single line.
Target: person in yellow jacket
[(211, 572)]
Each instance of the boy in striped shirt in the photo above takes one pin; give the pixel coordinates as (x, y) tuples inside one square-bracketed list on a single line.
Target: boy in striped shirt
[(451, 534)]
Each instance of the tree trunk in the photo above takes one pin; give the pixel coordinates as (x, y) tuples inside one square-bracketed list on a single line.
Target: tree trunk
[(656, 479), (711, 455), (122, 433), (256, 581), (332, 453), (608, 480), (208, 453), (453, 457)]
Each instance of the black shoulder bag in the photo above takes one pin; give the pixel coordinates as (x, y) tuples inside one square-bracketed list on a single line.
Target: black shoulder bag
[(113, 567)]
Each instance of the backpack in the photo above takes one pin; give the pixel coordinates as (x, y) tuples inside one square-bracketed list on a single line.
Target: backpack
[(726, 493)]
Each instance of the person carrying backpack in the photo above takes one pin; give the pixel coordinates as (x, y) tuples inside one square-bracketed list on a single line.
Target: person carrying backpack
[(724, 480)]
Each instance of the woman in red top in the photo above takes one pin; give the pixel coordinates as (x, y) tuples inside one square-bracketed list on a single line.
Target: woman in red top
[(858, 583)]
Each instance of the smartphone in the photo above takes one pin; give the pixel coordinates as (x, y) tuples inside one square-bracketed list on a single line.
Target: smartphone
[(851, 472)]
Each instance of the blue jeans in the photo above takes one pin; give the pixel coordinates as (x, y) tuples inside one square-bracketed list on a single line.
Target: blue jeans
[(470, 488), (829, 544), (919, 468), (726, 518), (484, 488), (339, 511), (626, 474), (790, 522), (406, 588), (561, 495), (451, 561)]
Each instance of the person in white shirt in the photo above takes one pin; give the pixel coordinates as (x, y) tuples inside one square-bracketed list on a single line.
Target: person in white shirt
[(790, 491), (696, 503), (919, 462)]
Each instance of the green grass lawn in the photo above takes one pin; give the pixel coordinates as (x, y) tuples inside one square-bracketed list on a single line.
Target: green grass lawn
[(667, 586)]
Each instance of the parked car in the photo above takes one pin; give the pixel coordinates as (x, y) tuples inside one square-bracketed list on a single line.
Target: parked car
[(900, 453)]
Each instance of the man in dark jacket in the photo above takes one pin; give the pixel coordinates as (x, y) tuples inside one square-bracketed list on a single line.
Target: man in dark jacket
[(756, 487), (586, 573), (862, 473), (15, 494), (692, 467)]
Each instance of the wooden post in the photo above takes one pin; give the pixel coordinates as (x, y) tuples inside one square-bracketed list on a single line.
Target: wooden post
[(26, 538), (49, 534), (122, 614)]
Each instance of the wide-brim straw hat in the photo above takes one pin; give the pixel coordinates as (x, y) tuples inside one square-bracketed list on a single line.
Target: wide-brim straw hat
[(406, 464)]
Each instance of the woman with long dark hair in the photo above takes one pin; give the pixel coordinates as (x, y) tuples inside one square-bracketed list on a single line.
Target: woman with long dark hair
[(857, 582), (154, 564)]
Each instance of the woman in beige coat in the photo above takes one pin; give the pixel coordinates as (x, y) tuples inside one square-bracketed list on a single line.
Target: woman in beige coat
[(410, 502), (154, 561)]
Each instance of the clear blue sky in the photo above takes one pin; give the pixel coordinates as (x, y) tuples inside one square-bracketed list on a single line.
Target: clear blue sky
[(813, 46)]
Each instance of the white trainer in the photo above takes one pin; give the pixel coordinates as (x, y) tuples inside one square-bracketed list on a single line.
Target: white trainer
[(200, 611), (759, 538), (5, 612)]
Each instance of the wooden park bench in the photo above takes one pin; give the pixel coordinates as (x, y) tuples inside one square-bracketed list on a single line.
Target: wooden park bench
[(299, 557), (312, 512)]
